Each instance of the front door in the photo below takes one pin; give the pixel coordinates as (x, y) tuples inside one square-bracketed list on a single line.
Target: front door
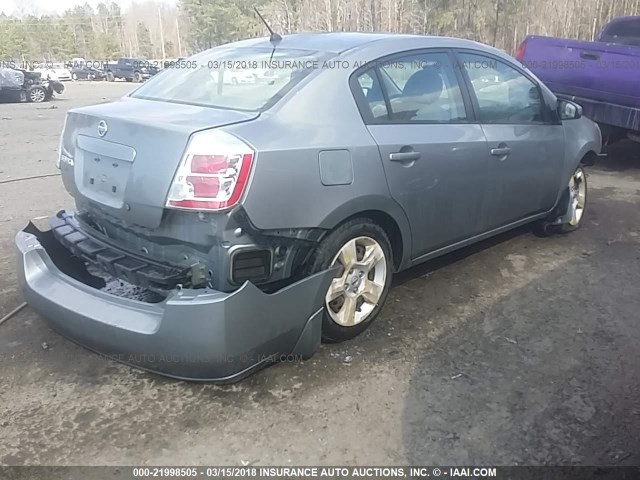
[(526, 148)]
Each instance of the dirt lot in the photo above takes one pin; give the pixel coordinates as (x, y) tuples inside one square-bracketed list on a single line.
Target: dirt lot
[(522, 350)]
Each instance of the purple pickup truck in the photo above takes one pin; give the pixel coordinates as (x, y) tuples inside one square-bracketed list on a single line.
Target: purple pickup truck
[(602, 76)]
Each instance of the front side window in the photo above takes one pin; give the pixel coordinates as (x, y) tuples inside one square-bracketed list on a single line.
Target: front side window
[(504, 94)]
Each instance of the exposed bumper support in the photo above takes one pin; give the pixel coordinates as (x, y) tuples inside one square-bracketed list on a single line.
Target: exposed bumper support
[(202, 335)]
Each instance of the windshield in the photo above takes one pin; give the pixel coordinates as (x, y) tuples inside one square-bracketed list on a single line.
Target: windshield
[(235, 78)]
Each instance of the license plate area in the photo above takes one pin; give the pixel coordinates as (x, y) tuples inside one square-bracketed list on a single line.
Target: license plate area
[(103, 169), (105, 177)]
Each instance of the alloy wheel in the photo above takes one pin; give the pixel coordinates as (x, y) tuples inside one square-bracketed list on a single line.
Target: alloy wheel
[(355, 292), (37, 95), (577, 197)]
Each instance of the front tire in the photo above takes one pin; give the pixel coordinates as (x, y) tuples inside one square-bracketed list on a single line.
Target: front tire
[(355, 297), (574, 201), (37, 94)]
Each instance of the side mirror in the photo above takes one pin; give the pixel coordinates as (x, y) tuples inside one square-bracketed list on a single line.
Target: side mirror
[(569, 110)]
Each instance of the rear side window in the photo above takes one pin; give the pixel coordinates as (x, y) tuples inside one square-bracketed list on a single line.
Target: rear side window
[(372, 91), (504, 94), (236, 78), (417, 88)]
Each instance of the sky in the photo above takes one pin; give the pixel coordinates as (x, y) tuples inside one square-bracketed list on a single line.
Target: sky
[(56, 6)]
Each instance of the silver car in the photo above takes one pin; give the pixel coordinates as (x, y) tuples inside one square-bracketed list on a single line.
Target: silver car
[(220, 227)]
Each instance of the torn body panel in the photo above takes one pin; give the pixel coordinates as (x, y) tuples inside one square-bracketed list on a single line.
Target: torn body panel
[(195, 250), (194, 334)]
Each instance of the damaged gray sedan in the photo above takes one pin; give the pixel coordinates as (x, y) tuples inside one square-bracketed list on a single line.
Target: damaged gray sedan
[(221, 225)]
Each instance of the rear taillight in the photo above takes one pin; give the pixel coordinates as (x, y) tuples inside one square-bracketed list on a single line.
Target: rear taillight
[(521, 50), (213, 172)]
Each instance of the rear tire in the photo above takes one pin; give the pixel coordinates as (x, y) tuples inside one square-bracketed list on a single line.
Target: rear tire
[(358, 292), (137, 77), (110, 77)]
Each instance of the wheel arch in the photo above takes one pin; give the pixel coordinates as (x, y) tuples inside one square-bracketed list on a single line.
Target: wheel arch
[(589, 158), (386, 214), (582, 140)]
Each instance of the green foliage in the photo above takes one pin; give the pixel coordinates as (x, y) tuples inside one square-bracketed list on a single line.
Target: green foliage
[(103, 32), (79, 32), (144, 40), (215, 22), (170, 49)]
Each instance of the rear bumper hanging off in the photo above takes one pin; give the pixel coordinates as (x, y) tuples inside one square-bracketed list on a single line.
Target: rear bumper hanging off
[(202, 334)]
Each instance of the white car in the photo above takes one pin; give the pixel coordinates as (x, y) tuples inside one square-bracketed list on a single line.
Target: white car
[(234, 77), (55, 71)]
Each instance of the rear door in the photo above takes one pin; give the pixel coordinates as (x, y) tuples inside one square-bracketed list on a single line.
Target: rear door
[(434, 156), (525, 139)]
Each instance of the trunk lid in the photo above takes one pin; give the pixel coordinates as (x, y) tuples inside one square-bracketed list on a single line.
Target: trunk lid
[(125, 153)]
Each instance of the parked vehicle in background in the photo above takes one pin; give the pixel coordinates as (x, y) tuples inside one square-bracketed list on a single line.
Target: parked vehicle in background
[(18, 85), (235, 76), (253, 219), (267, 75), (54, 71), (86, 72), (62, 71), (11, 85), (50, 87), (130, 69), (602, 76)]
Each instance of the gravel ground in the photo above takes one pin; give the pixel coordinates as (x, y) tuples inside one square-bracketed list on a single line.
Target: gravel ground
[(521, 350)]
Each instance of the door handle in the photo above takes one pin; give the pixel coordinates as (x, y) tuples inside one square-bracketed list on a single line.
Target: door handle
[(404, 156), (590, 56), (500, 152)]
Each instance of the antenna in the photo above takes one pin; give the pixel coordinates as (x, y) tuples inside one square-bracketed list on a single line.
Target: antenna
[(274, 38)]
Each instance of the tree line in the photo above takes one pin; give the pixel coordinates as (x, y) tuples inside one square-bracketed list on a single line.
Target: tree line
[(152, 29)]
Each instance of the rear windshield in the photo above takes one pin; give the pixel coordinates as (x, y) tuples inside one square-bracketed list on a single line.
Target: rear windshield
[(230, 77), (625, 32)]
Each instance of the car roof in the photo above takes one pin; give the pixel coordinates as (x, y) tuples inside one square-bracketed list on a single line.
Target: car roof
[(340, 42)]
